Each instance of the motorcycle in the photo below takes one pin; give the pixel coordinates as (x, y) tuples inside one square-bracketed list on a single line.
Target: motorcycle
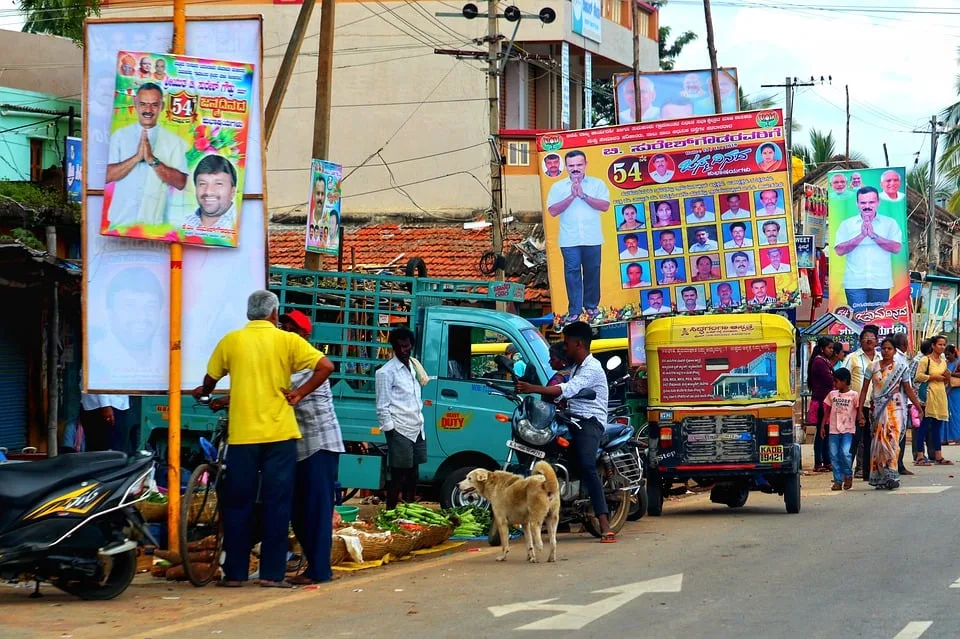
[(541, 430), (70, 520)]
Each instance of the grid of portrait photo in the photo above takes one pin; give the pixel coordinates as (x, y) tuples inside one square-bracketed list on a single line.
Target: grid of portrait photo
[(704, 252)]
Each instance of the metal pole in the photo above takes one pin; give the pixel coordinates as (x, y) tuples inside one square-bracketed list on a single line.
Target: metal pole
[(53, 340), (493, 96), (286, 69), (324, 101), (933, 246), (846, 88), (176, 329), (712, 50)]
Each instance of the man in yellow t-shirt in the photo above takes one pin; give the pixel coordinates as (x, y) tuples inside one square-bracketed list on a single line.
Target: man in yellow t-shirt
[(263, 434)]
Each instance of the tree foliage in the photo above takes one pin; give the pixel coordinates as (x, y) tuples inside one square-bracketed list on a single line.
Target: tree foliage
[(58, 17)]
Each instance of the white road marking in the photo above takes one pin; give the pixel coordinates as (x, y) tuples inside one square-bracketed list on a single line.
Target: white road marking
[(955, 584), (576, 616), (913, 630), (919, 490)]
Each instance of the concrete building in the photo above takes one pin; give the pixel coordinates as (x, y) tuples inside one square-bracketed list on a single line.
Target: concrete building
[(409, 125)]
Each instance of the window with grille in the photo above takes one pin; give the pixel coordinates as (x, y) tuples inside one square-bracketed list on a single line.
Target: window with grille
[(518, 153)]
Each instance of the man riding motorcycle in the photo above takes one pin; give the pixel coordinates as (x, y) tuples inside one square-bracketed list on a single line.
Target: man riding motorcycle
[(587, 373)]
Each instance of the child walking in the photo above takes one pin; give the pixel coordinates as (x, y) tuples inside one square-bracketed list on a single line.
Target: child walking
[(840, 412)]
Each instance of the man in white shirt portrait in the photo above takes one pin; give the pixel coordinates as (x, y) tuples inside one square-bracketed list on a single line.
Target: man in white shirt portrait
[(661, 172), (740, 264), (869, 242), (698, 211), (738, 237), (215, 180), (758, 288), (775, 266), (144, 162), (628, 108), (839, 185), (632, 249), (769, 200), (890, 181), (668, 244), (703, 242), (578, 200), (734, 212), (655, 303), (724, 296), (770, 229), (691, 299)]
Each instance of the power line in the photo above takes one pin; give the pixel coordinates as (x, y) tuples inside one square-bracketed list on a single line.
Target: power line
[(403, 161)]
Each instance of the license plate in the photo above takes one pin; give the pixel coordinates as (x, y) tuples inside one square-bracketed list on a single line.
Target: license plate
[(771, 454), (533, 452)]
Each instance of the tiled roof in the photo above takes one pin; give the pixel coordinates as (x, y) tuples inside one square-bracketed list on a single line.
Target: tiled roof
[(449, 252)]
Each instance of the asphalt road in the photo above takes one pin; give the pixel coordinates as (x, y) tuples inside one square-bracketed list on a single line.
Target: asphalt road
[(862, 563)]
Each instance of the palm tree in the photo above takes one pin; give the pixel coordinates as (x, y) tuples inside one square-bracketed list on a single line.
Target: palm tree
[(918, 179), (822, 150), (950, 156), (670, 52), (756, 102), (57, 17)]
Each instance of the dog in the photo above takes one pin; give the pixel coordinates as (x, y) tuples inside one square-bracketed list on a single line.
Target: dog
[(530, 502)]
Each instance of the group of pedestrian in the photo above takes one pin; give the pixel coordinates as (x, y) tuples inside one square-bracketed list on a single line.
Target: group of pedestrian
[(864, 403)]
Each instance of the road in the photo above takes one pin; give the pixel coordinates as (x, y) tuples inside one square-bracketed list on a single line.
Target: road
[(862, 563)]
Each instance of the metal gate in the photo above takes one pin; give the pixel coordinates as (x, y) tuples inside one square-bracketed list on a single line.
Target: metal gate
[(13, 388)]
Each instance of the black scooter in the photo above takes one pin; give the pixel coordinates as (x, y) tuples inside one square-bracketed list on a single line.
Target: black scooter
[(70, 520)]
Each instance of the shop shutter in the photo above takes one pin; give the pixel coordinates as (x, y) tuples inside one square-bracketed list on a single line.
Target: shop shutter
[(13, 391)]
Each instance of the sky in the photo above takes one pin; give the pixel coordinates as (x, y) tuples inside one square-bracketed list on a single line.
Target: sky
[(900, 64)]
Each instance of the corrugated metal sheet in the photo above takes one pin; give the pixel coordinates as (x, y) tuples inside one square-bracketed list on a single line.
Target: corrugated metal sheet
[(13, 389)]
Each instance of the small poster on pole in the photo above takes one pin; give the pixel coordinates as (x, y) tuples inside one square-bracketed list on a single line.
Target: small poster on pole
[(323, 208)]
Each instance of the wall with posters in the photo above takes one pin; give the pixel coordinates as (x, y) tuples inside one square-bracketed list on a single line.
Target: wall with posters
[(868, 248), (126, 280), (667, 95), (323, 214), (684, 216)]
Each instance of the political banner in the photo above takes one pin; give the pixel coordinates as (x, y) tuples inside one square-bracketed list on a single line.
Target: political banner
[(74, 162), (868, 248), (666, 95), (177, 150), (323, 210), (652, 219)]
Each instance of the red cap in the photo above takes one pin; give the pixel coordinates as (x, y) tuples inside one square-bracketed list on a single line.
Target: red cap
[(301, 320)]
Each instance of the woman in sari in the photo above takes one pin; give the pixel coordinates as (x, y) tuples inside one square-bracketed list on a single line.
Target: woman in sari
[(951, 431), (889, 381)]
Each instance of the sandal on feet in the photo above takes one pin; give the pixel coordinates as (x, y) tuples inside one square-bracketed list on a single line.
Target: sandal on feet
[(847, 483), (943, 462), (608, 538), (275, 584), (923, 462), (836, 486)]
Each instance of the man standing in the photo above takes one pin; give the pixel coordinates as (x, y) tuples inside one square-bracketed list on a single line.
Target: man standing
[(591, 414), (869, 242), (400, 413), (144, 161), (216, 182), (890, 181), (859, 363), (578, 200), (699, 213), (104, 421), (770, 198), (734, 212), (260, 360)]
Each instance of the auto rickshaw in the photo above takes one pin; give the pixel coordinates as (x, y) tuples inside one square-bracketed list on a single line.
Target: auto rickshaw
[(722, 391)]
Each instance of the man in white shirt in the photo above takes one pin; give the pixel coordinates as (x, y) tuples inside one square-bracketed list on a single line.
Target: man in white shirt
[(839, 185), (104, 421), (668, 244), (632, 249), (144, 161), (890, 181), (703, 243), (655, 304), (759, 290), (740, 265), (725, 298), (771, 231), (691, 299), (734, 212), (400, 414), (856, 182), (775, 266), (770, 198), (738, 235), (699, 213), (869, 243), (660, 172), (215, 180), (628, 110), (579, 200)]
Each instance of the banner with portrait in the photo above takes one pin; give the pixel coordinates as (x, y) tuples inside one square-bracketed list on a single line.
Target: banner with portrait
[(688, 216), (323, 208), (666, 95), (177, 149), (868, 248), (74, 163)]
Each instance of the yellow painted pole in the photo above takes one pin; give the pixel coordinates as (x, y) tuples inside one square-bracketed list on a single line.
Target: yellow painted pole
[(176, 325)]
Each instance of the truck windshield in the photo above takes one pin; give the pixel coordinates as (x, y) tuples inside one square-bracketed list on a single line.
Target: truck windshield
[(540, 348)]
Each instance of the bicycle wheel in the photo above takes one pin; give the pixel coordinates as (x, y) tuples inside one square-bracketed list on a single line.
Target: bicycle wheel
[(201, 533)]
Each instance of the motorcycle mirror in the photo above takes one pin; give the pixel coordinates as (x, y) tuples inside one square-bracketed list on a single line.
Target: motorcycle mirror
[(586, 393), (519, 368), (614, 363)]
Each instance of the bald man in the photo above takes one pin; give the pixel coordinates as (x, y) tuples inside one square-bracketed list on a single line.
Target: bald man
[(890, 183)]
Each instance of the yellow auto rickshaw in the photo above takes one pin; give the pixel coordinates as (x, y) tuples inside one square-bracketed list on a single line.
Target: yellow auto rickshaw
[(722, 391)]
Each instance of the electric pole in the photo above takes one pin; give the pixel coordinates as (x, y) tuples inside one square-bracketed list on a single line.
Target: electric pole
[(933, 246), (846, 155), (493, 96), (712, 50), (323, 104)]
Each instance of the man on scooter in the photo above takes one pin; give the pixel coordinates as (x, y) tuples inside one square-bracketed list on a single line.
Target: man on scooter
[(587, 373)]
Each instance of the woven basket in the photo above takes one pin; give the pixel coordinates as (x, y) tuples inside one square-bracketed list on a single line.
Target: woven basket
[(338, 551), (404, 542), (375, 547), (152, 512), (434, 536), (209, 508)]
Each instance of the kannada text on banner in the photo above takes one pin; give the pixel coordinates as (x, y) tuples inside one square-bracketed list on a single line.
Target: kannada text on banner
[(684, 216), (323, 215), (869, 253), (177, 150), (667, 95)]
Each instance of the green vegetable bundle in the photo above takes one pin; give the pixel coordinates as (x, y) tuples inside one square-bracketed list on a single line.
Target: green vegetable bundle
[(475, 521), (416, 513)]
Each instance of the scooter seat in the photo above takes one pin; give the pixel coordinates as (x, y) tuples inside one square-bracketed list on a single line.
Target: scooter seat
[(23, 483), (612, 432)]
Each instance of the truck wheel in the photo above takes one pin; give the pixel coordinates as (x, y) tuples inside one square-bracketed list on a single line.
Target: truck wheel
[(654, 497), (452, 497), (791, 493), (738, 496)]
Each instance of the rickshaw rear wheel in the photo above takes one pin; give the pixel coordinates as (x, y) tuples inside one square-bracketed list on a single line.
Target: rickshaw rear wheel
[(654, 497), (791, 493)]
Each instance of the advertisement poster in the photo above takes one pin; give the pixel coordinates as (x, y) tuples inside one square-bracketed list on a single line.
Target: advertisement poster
[(687, 216), (177, 150), (323, 214), (74, 155), (805, 251), (666, 95), (693, 374), (638, 343), (868, 249), (587, 19)]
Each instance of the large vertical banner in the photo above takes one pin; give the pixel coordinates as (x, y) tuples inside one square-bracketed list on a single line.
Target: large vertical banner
[(868, 248), (672, 217), (665, 95), (126, 297), (177, 150), (74, 155), (323, 209)]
